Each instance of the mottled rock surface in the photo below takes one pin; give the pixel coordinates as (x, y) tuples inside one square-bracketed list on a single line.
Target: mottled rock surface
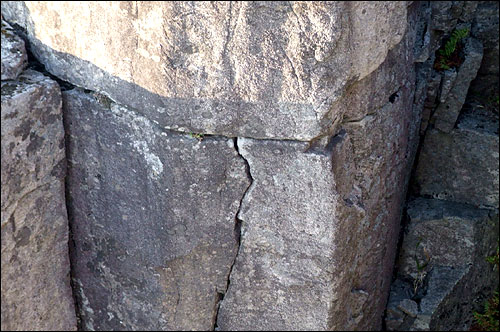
[(153, 218), (442, 271), (36, 292), (14, 57), (261, 70), (462, 166), (321, 98)]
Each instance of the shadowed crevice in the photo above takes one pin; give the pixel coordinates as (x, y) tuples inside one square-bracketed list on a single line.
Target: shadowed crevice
[(237, 233)]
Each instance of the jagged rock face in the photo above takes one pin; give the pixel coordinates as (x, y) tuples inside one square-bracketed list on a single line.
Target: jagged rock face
[(320, 98), (36, 292), (455, 86), (14, 57), (442, 271), (462, 166), (153, 217), (485, 28), (262, 70)]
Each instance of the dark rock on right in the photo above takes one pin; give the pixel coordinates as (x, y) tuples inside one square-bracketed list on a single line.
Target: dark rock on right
[(442, 276), (442, 271), (461, 166)]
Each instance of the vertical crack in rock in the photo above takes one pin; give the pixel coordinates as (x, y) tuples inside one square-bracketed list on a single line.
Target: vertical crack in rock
[(237, 233), (69, 211)]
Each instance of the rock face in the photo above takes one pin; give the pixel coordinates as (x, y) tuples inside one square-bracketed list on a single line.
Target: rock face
[(312, 253), (14, 57), (262, 70), (454, 89), (485, 28), (440, 281), (315, 108), (153, 218), (36, 292), (442, 275), (462, 166)]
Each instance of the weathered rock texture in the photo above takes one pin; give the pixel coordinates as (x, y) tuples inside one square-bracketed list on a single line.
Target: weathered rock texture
[(315, 106), (262, 70), (36, 292), (455, 86), (442, 275), (319, 228), (485, 27), (320, 222), (14, 57), (442, 272), (153, 218), (462, 166)]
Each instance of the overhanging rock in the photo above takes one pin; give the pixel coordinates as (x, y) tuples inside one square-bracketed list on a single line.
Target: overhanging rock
[(262, 70)]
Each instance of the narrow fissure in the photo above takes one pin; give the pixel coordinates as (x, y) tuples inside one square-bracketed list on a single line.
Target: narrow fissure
[(237, 233), (69, 212), (36, 65)]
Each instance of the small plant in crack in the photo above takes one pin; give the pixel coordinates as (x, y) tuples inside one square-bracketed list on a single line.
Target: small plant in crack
[(448, 55), (422, 267), (198, 136), (489, 320)]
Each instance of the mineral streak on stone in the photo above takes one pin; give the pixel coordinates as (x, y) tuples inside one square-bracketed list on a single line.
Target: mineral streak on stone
[(14, 57), (251, 69), (153, 219), (442, 266), (36, 292), (462, 166)]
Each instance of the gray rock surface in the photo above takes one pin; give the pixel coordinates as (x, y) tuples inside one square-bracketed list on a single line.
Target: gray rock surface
[(442, 268), (36, 292), (261, 70), (153, 212), (14, 57), (485, 28), (447, 82), (461, 166), (153, 218), (285, 274), (320, 221), (447, 112)]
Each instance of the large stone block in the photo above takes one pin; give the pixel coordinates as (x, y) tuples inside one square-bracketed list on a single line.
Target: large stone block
[(14, 57), (36, 292), (462, 166), (253, 69), (443, 275), (320, 225), (153, 218)]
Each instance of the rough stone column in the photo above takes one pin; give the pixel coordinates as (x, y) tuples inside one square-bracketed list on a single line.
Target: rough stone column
[(309, 103), (36, 292)]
